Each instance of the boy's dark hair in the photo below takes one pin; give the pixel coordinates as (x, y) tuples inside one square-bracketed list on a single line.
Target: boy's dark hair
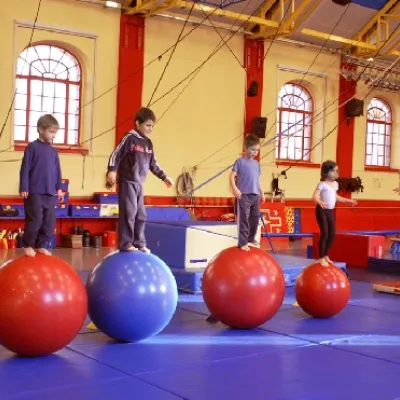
[(47, 121), (326, 167), (251, 140), (144, 114)]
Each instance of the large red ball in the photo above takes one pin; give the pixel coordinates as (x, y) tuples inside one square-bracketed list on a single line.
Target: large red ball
[(243, 289), (43, 305), (322, 292)]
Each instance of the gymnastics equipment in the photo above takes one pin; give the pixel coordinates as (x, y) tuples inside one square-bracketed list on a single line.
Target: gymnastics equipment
[(43, 305), (322, 292), (243, 289), (132, 295)]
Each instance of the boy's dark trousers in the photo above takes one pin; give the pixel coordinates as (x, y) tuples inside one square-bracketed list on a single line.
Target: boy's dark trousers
[(132, 215), (40, 220), (249, 217)]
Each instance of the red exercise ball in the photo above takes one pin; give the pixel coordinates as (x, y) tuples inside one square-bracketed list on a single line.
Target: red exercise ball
[(322, 292), (243, 289), (43, 305)]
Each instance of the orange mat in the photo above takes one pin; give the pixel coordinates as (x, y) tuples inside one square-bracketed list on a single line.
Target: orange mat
[(387, 287)]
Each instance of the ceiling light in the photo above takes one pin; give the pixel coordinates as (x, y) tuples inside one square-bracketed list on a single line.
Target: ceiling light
[(113, 4)]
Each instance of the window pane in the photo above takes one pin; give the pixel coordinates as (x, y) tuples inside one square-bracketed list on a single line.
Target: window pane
[(74, 74), (48, 89), (36, 88), (37, 68), (74, 91), (20, 118), (33, 134), (19, 133), (56, 53), (48, 105), (73, 121), (61, 119), (34, 117), (43, 51), (73, 106), (60, 90), (63, 75), (60, 137), (36, 103), (73, 137), (59, 105), (22, 67), (21, 86), (59, 69), (20, 101)]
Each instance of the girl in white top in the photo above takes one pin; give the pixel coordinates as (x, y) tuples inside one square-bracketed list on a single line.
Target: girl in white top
[(326, 196)]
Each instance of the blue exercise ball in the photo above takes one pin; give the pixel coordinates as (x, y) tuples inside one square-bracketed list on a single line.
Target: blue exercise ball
[(132, 296)]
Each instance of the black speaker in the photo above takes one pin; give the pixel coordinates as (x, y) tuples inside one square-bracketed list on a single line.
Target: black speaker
[(252, 91), (259, 127), (355, 108), (342, 2)]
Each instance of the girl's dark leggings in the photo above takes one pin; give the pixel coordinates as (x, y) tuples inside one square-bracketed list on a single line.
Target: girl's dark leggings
[(326, 222)]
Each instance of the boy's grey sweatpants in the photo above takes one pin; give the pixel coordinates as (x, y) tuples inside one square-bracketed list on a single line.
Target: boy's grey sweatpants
[(132, 215), (248, 217)]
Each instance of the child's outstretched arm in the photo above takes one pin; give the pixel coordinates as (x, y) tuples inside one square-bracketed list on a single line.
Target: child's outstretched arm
[(345, 200), (159, 172)]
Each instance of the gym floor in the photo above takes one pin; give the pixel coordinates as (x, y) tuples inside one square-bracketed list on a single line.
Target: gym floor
[(352, 356)]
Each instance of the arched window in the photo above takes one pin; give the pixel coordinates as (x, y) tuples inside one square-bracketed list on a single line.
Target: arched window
[(379, 134), (48, 81), (294, 123)]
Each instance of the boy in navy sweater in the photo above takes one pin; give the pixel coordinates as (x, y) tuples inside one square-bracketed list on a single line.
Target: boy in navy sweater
[(132, 159), (40, 186)]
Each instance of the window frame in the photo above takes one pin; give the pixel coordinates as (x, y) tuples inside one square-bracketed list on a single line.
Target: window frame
[(280, 110), (368, 121), (20, 145)]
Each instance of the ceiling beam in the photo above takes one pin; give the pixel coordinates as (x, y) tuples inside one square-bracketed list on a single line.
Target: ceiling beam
[(305, 15), (335, 38), (381, 13), (391, 46), (289, 24), (296, 17), (265, 7), (151, 6), (374, 26)]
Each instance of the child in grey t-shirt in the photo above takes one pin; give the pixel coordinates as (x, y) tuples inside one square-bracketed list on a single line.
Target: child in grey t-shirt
[(246, 187)]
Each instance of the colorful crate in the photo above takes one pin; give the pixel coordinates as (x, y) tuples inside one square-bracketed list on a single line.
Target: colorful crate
[(105, 197), (12, 211), (62, 211), (84, 211)]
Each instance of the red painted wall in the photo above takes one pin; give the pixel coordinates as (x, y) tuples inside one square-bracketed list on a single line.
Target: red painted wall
[(345, 135), (253, 60), (130, 72)]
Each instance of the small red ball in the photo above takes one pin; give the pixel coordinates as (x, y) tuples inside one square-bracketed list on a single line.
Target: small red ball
[(43, 305), (243, 289), (322, 292)]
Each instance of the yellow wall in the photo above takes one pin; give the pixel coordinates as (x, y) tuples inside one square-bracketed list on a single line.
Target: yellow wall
[(92, 34), (207, 117), (202, 127), (287, 62), (377, 185)]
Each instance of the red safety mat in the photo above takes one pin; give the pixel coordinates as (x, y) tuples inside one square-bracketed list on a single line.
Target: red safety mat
[(387, 287)]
